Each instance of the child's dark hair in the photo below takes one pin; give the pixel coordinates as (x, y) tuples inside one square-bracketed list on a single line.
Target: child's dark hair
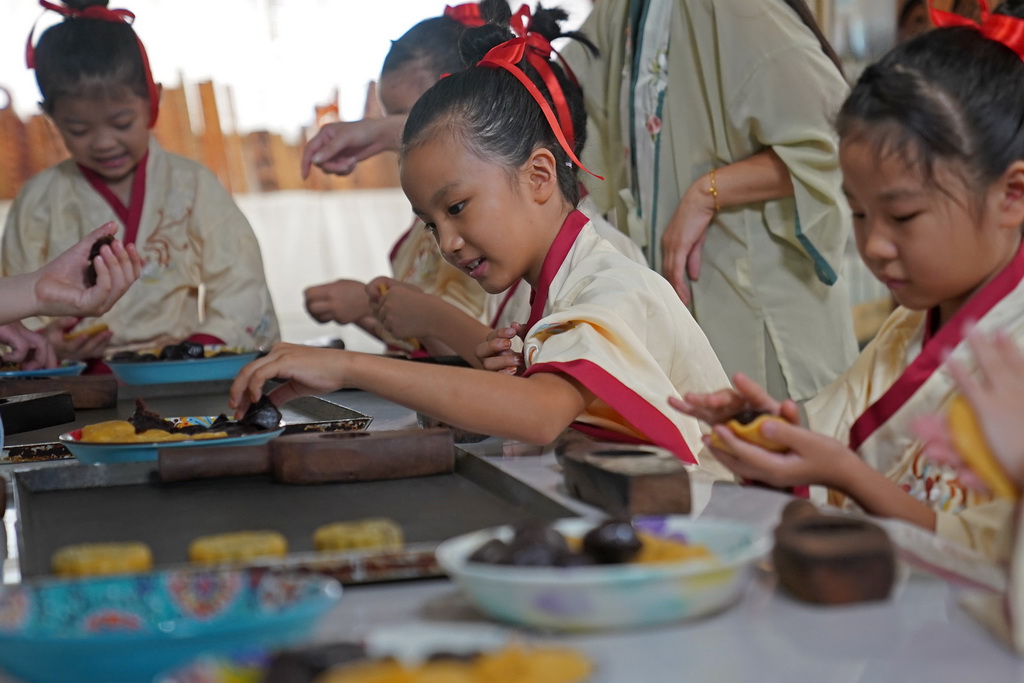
[(433, 43), (493, 114), (947, 95), (81, 52)]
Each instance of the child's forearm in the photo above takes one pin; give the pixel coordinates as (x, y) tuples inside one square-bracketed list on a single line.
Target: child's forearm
[(18, 294), (535, 409), (882, 497), (452, 328)]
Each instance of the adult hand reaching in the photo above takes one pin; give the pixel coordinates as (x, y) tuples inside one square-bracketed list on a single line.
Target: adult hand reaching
[(339, 147)]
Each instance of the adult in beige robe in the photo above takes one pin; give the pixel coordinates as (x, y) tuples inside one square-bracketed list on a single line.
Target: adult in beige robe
[(724, 80)]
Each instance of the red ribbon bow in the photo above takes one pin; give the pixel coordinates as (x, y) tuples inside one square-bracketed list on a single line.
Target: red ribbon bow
[(998, 27), (102, 14), (507, 56), (539, 55), (467, 14)]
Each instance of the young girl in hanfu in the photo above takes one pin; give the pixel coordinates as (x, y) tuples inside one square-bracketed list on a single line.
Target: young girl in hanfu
[(428, 307), (203, 275), (932, 152), (487, 168)]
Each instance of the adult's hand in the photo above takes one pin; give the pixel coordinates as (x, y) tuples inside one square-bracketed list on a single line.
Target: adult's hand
[(684, 236), (338, 147)]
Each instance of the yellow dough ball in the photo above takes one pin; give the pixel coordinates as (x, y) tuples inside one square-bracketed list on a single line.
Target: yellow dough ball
[(90, 559), (377, 533), (238, 546)]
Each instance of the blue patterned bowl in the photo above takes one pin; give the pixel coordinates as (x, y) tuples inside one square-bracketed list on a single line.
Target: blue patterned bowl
[(130, 628), (610, 596)]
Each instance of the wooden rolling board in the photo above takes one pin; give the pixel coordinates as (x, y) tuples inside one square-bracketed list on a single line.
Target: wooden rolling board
[(27, 412), (88, 392), (319, 458)]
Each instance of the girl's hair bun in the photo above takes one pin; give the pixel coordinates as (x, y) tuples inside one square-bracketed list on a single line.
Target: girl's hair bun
[(84, 4), (547, 22), (496, 12), (477, 42)]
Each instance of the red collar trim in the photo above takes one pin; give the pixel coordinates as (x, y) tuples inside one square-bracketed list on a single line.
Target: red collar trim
[(934, 350), (556, 256), (401, 240), (130, 215)]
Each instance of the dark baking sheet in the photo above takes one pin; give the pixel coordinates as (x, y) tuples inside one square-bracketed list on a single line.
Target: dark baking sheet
[(306, 414), (79, 504)]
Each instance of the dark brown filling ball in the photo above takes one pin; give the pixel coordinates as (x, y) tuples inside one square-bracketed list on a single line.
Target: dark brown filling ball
[(90, 272)]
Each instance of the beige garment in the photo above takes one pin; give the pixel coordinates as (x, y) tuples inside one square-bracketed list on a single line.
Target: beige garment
[(191, 234), (766, 274), (885, 373), (514, 306), (613, 325)]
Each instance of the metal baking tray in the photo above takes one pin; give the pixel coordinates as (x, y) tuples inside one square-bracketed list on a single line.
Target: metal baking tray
[(306, 414), (79, 503)]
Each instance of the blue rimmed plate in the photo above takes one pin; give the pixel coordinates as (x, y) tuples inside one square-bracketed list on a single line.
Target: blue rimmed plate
[(66, 369), (129, 628), (172, 371), (92, 453)]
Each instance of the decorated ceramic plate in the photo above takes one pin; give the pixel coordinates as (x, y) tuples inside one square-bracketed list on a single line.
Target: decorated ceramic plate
[(67, 368), (191, 370), (97, 453)]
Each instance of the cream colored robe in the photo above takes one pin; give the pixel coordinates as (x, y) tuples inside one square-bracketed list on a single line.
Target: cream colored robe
[(899, 378), (742, 76), (612, 324), (191, 235)]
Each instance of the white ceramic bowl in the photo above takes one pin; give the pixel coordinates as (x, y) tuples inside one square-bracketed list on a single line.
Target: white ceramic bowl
[(610, 596)]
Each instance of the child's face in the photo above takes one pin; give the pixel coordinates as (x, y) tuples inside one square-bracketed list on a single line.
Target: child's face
[(925, 241), (399, 89), (107, 134), (480, 220)]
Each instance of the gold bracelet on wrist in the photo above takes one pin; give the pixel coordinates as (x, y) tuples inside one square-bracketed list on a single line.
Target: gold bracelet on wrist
[(713, 191)]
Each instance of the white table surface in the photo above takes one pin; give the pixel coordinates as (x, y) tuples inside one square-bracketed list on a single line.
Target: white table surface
[(919, 634)]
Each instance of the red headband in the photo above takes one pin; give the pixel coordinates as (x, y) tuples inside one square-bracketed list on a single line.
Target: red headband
[(539, 56), (507, 56), (102, 14), (998, 27), (467, 14)]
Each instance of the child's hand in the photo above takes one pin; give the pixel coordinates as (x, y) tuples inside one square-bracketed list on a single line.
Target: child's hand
[(75, 347), (338, 147), (60, 287), (723, 405), (308, 370), (404, 311), (996, 393), (496, 352), (343, 301), (812, 458), (28, 348)]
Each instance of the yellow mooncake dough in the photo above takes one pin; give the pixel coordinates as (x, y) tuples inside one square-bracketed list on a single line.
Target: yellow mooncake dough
[(751, 433), (970, 444), (513, 664), (122, 431), (376, 533), (238, 546), (90, 559)]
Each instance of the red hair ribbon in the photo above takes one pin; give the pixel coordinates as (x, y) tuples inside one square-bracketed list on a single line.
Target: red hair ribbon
[(998, 27), (102, 14), (467, 14), (539, 55), (507, 56)]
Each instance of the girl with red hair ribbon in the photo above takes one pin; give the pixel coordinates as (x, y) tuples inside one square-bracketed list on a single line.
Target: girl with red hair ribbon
[(489, 170), (931, 145), (97, 87)]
